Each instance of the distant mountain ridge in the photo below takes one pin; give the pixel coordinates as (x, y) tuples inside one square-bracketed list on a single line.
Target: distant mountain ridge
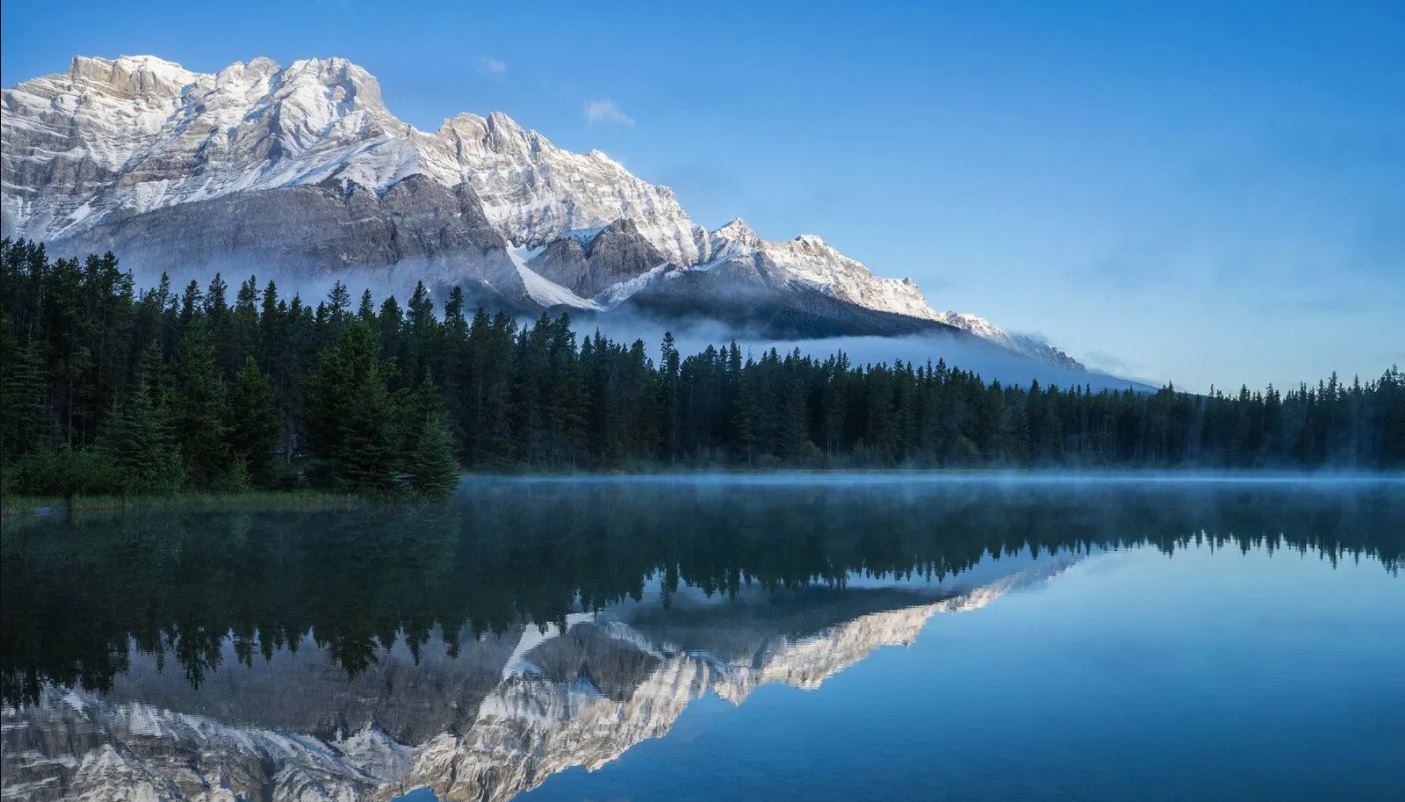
[(303, 170)]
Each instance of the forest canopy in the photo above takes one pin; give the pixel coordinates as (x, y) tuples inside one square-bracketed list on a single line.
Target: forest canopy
[(110, 389)]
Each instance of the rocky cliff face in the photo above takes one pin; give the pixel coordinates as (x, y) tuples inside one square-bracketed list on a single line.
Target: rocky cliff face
[(534, 191), (137, 134), (497, 720), (303, 171), (807, 261), (415, 230), (801, 288), (592, 264)]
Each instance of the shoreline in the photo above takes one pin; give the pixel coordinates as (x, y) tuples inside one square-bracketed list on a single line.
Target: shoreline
[(952, 475), (42, 506)]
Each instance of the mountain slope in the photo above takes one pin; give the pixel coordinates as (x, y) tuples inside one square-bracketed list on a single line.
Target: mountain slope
[(302, 171), (808, 261), (138, 133), (589, 265), (1028, 345)]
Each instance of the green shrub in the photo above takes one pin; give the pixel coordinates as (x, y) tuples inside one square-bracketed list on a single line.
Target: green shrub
[(67, 472)]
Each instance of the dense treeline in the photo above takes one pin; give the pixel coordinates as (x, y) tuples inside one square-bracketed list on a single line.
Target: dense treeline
[(111, 389)]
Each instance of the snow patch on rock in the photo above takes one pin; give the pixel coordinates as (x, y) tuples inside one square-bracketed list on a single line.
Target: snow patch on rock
[(543, 290)]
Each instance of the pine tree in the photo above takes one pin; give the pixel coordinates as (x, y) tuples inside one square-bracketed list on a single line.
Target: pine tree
[(669, 380), (272, 331), (564, 396), (366, 312), (793, 441), (746, 421), (350, 417), (388, 325), (217, 300), (252, 425), (431, 467), (198, 406), (241, 338), (191, 303), (338, 302), (367, 457), (140, 439), (22, 413)]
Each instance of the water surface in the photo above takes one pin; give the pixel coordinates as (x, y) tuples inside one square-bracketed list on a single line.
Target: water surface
[(805, 637)]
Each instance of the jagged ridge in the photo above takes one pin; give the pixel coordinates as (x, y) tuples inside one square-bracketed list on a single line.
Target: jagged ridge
[(103, 156)]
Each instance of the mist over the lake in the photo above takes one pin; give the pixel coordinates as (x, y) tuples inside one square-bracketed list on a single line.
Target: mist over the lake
[(430, 402)]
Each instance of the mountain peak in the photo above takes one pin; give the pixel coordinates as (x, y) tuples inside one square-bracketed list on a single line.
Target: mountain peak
[(82, 66), (350, 83), (499, 119), (131, 76), (85, 153), (975, 324), (240, 71), (739, 232), (324, 63), (506, 136)]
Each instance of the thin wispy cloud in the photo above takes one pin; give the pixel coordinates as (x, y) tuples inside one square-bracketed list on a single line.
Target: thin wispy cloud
[(492, 66), (606, 112), (1114, 365)]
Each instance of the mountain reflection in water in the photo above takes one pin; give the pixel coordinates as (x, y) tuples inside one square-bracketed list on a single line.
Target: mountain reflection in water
[(530, 627)]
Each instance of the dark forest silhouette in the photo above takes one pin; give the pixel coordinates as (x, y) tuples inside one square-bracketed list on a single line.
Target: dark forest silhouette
[(110, 390)]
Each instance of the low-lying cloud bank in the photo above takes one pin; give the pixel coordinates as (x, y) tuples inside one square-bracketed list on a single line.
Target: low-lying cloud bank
[(958, 349)]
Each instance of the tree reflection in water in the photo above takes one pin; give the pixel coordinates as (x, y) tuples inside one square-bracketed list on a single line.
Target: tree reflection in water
[(81, 596)]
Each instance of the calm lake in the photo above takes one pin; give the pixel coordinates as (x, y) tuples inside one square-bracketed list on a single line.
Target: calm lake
[(828, 637)]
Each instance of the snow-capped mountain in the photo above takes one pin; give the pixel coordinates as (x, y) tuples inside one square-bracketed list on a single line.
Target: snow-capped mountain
[(303, 171), (139, 133), (808, 260), (1025, 344)]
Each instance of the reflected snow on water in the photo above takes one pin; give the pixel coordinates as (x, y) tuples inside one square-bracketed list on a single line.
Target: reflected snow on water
[(573, 639)]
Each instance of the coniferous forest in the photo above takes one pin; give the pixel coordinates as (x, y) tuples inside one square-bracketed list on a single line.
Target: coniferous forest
[(112, 389)]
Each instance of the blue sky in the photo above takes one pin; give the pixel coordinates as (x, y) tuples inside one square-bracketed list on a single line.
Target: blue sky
[(1205, 193)]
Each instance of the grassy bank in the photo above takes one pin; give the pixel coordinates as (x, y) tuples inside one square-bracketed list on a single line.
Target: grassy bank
[(11, 506)]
